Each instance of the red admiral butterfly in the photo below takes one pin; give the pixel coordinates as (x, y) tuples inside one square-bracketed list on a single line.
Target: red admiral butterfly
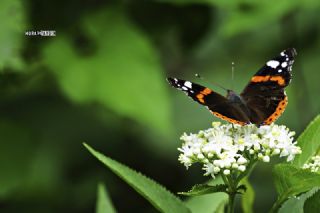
[(261, 102)]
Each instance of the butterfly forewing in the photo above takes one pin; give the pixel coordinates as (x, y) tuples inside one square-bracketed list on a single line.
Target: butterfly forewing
[(264, 95), (218, 105)]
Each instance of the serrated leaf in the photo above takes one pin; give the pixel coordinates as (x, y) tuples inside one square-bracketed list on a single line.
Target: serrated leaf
[(123, 73), (295, 204), (12, 33), (202, 189), (242, 189), (309, 141), (247, 199), (210, 202), (157, 195), (104, 203), (312, 204), (291, 181)]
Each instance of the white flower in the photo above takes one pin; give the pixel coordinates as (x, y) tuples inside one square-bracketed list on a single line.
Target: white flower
[(266, 158), (242, 160), (242, 168), (226, 172), (209, 168), (313, 165), (230, 148)]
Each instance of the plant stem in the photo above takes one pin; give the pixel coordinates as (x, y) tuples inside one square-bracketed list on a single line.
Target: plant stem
[(232, 190), (231, 196), (275, 206)]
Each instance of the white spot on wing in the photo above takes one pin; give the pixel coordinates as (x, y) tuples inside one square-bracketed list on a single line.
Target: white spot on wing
[(279, 71), (273, 63), (282, 53), (284, 64), (184, 88), (188, 84)]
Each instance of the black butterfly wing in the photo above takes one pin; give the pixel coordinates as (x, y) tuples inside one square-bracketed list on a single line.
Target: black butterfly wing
[(219, 105), (264, 95)]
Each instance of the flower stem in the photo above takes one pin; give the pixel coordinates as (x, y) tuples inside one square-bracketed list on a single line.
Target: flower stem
[(232, 191), (231, 196)]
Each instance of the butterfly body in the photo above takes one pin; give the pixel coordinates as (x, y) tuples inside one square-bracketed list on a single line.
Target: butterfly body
[(261, 102)]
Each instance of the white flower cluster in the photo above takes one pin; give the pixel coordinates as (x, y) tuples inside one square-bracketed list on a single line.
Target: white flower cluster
[(230, 148), (313, 165)]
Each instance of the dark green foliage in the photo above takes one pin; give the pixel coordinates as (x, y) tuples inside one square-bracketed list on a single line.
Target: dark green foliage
[(102, 80)]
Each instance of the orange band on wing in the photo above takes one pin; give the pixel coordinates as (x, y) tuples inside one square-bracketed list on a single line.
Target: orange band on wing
[(204, 92), (257, 79), (228, 119), (200, 97), (279, 79), (279, 110)]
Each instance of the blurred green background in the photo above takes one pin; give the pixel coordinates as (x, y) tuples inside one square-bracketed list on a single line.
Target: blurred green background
[(101, 80)]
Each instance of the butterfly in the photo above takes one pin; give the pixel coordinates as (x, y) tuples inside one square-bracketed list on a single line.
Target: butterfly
[(261, 102)]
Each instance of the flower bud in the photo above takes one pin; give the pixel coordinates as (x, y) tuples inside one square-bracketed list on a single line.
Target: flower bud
[(242, 168), (226, 172), (242, 160), (227, 165), (200, 156), (266, 158), (276, 151), (216, 169), (235, 165), (216, 124)]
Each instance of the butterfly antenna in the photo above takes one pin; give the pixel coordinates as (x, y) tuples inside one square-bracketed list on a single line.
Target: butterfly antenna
[(232, 75), (216, 84)]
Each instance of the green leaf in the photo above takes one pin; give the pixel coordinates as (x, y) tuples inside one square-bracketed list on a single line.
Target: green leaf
[(156, 194), (202, 189), (312, 204), (247, 199), (221, 207), (12, 33), (291, 181), (295, 204), (309, 141), (104, 204), (122, 71), (210, 202)]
